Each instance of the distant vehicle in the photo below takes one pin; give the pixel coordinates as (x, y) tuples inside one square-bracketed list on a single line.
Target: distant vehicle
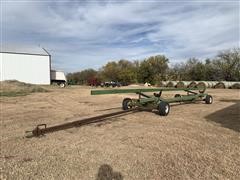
[(59, 78), (124, 84), (93, 81), (110, 84)]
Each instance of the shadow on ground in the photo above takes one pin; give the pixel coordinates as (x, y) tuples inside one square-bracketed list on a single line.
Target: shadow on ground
[(228, 117), (105, 172)]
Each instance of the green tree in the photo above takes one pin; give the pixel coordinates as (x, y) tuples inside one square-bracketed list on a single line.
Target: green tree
[(153, 69), (177, 72), (122, 71), (110, 71), (226, 66), (227, 63), (211, 73), (82, 77), (193, 69), (127, 71), (197, 72)]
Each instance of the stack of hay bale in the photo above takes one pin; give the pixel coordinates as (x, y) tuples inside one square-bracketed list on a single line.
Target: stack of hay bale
[(207, 84)]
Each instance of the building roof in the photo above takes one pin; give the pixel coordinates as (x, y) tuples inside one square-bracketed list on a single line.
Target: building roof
[(23, 49)]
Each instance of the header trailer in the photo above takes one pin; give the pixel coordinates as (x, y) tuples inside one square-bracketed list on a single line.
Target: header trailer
[(156, 101)]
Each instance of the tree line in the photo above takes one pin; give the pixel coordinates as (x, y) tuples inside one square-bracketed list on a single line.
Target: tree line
[(224, 67)]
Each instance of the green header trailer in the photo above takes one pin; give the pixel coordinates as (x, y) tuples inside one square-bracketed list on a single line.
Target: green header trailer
[(131, 105), (156, 101)]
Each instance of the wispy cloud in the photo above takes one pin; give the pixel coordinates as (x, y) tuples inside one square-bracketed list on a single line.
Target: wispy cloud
[(86, 34)]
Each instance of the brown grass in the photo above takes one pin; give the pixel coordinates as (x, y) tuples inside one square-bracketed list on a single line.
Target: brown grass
[(195, 141)]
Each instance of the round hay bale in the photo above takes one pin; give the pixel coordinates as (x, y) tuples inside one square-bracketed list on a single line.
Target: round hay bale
[(228, 84), (192, 84), (236, 85), (202, 84), (220, 85), (171, 84), (211, 84), (182, 84), (162, 83)]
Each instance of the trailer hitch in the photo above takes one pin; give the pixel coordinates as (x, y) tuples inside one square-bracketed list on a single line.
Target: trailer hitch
[(37, 131)]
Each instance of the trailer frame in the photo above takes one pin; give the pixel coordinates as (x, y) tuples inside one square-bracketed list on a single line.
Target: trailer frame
[(131, 105), (156, 101)]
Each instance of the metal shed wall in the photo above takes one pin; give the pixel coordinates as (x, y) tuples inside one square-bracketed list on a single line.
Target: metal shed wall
[(29, 68)]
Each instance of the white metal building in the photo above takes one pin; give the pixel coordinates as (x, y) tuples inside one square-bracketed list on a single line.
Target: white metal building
[(30, 65)]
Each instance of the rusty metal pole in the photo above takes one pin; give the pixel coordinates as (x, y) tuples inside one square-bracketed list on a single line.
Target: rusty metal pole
[(42, 129)]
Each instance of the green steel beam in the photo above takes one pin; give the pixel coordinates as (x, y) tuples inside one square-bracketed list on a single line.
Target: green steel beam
[(181, 99), (118, 91), (147, 100)]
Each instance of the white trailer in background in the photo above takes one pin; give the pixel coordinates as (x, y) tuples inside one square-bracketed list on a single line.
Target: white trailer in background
[(58, 77), (32, 65)]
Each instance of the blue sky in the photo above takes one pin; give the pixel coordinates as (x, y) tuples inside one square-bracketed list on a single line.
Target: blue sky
[(87, 34)]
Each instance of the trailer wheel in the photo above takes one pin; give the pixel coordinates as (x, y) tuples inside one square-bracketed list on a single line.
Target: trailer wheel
[(177, 95), (127, 104), (62, 85), (209, 99), (163, 108)]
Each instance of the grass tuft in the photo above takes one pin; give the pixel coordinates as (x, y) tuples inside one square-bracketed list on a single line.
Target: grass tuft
[(15, 88)]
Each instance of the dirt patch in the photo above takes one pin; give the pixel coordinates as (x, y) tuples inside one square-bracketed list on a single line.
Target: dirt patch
[(195, 141)]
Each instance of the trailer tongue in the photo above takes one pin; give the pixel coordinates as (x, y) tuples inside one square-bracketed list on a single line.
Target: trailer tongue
[(42, 129), (143, 102)]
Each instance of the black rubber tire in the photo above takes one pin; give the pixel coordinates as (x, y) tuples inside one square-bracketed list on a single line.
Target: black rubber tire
[(163, 108), (209, 99), (177, 95), (125, 104), (62, 85)]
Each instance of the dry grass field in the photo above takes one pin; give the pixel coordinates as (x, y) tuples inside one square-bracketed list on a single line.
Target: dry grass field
[(195, 141)]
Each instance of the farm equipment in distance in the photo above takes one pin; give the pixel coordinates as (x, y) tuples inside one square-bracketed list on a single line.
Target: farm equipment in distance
[(156, 101)]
